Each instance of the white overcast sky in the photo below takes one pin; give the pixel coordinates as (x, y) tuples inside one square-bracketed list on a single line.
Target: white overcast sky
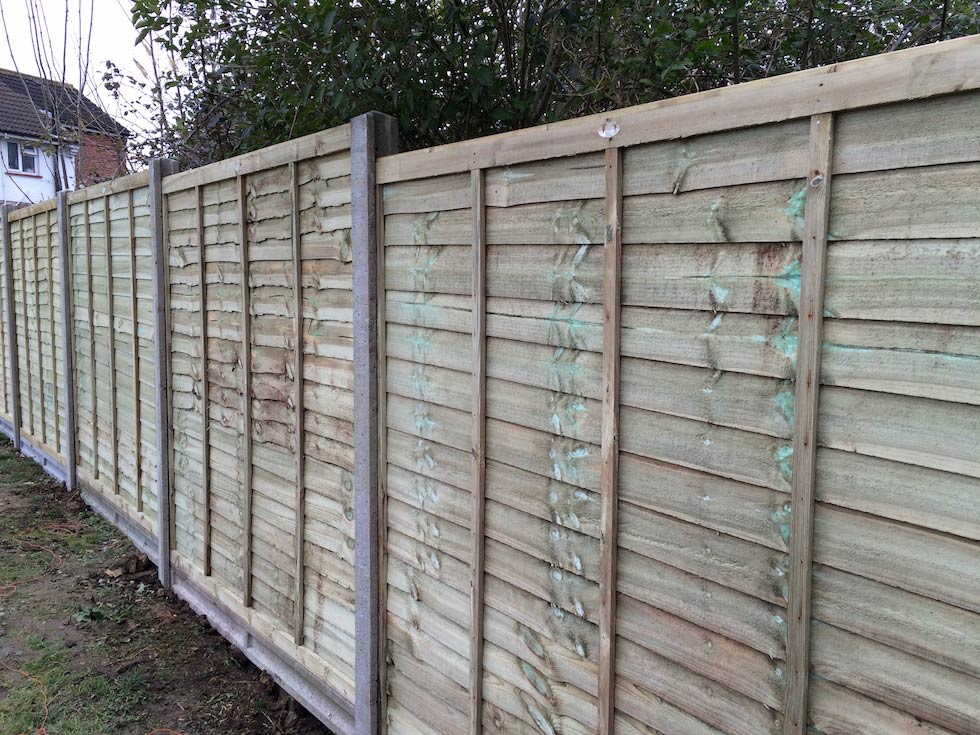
[(113, 38)]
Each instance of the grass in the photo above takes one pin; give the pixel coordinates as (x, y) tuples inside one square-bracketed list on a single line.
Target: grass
[(48, 691), (83, 652)]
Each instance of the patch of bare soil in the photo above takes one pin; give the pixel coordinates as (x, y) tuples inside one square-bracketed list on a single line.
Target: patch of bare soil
[(91, 644)]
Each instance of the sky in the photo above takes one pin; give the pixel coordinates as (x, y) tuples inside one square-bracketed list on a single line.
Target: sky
[(112, 38)]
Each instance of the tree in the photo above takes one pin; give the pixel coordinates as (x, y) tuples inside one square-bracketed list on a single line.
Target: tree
[(256, 72)]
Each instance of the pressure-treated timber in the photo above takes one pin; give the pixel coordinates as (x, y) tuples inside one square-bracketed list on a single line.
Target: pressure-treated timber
[(111, 335), (876, 80), (52, 337), (381, 432), (31, 210), (28, 352), (41, 435), (108, 188), (299, 529), (265, 654), (137, 392), (479, 450), (710, 284), (371, 135), (70, 425), (325, 142), (247, 489), (609, 539), (161, 366), (814, 266), (4, 387), (91, 341), (205, 399), (13, 363)]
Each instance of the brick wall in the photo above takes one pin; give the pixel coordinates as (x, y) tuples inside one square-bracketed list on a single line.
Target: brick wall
[(100, 158)]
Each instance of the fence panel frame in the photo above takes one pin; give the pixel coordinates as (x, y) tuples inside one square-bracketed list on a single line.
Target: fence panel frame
[(13, 369), (32, 445)]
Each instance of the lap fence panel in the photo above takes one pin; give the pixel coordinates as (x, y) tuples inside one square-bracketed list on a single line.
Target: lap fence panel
[(261, 331), (112, 305), (667, 419), (36, 303), (681, 414)]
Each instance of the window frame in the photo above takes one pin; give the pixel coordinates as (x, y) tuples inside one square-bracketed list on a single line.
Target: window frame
[(33, 155), (16, 166)]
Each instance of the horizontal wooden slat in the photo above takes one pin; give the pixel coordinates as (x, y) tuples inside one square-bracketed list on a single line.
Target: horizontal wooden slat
[(930, 692), (862, 83), (918, 431), (927, 360), (932, 630), (931, 281), (318, 144), (942, 567)]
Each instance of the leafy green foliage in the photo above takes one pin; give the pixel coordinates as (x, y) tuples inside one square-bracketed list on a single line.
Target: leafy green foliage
[(255, 72)]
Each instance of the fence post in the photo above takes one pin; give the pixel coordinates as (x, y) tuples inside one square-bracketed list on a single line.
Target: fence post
[(372, 134), (8, 316), (161, 354), (67, 342)]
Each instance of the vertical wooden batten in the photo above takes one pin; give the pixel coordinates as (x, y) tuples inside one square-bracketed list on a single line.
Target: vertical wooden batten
[(111, 336), (612, 271), (242, 186), (4, 372), (811, 307), (299, 541), (55, 418), (161, 368), (137, 408), (478, 430), (39, 436), (381, 417), (28, 363), (13, 366), (205, 397), (372, 135), (93, 383), (69, 439)]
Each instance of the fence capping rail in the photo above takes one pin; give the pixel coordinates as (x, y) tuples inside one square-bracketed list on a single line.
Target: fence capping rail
[(15, 213), (954, 66), (325, 142), (108, 188)]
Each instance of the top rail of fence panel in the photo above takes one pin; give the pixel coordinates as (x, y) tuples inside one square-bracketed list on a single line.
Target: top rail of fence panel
[(925, 71), (108, 188), (24, 212), (323, 143)]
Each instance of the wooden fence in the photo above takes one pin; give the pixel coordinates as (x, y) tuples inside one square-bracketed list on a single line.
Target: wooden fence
[(113, 346), (261, 307), (36, 398), (660, 421)]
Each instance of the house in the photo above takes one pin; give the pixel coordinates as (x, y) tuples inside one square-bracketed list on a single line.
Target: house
[(53, 138)]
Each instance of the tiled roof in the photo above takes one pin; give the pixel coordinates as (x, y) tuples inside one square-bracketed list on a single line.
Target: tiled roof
[(24, 99)]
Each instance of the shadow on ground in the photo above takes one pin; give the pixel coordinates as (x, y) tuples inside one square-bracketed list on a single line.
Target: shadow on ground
[(91, 644)]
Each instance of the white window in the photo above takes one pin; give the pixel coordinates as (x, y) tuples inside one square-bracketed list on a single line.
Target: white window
[(21, 157)]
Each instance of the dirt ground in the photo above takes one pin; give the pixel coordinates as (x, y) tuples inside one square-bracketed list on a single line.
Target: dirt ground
[(91, 644)]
